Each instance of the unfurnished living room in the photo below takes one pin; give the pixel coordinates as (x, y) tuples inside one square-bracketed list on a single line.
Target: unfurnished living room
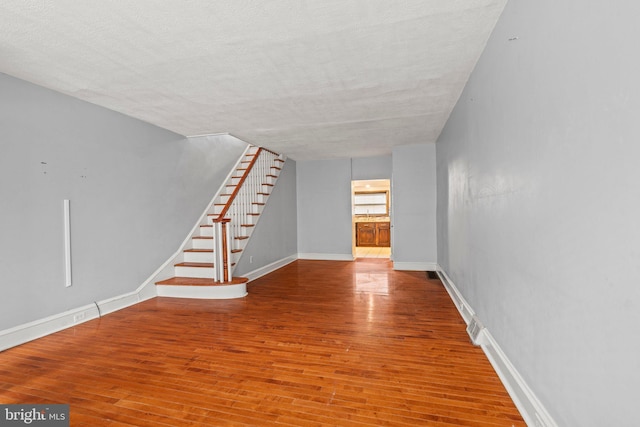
[(182, 244)]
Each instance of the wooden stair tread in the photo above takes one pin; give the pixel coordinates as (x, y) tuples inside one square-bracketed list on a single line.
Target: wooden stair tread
[(235, 251), (247, 225), (195, 264), (199, 250), (279, 160), (241, 237), (196, 281), (203, 237)]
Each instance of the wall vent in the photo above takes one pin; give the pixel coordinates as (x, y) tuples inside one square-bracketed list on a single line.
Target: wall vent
[(474, 329)]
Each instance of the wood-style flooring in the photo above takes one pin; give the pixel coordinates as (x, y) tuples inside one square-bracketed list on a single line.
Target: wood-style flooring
[(316, 343)]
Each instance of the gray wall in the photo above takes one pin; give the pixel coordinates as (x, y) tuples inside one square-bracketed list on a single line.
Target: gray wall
[(324, 202), (378, 167), (538, 202), (275, 235), (136, 191), (413, 210), (324, 206)]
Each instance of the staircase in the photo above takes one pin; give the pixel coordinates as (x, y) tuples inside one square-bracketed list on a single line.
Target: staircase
[(205, 267)]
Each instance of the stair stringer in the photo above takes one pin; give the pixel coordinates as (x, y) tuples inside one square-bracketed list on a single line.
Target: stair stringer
[(167, 269)]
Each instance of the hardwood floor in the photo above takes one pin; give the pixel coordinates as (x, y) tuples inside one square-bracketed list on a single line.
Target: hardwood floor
[(316, 343)]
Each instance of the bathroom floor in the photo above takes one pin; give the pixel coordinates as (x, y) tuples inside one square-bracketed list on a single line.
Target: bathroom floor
[(372, 252)]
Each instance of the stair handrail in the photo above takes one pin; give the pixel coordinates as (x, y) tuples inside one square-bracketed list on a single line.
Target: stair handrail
[(233, 195), (222, 233)]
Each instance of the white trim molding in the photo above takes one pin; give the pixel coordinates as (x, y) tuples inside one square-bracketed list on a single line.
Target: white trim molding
[(269, 268), (530, 407), (48, 325), (238, 290), (326, 257), (461, 304), (532, 410), (415, 266)]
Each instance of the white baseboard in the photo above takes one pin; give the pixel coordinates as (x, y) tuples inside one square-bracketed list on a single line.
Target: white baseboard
[(48, 325), (530, 407), (259, 272), (415, 266), (326, 257), (461, 304), (118, 303), (532, 410)]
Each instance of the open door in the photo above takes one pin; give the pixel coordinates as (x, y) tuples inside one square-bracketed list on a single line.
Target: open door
[(371, 218)]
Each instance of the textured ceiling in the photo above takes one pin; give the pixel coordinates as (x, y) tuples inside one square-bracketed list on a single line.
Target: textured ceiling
[(311, 79)]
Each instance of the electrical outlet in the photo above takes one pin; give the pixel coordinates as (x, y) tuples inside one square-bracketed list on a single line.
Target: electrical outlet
[(78, 317)]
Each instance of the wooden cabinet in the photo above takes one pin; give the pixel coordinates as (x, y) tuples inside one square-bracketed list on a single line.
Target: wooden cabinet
[(383, 234), (366, 234), (373, 234)]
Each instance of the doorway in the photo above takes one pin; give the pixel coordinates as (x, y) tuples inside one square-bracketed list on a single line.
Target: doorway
[(371, 218)]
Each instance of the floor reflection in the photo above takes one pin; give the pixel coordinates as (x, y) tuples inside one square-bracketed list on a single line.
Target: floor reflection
[(372, 283)]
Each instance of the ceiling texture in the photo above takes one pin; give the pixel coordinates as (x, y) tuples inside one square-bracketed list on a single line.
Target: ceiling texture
[(311, 79)]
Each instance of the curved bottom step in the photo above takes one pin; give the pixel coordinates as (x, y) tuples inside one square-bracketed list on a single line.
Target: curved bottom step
[(189, 287)]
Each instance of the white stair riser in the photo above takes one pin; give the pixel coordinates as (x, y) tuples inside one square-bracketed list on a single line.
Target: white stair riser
[(198, 257), (251, 219), (206, 231), (200, 272), (202, 243)]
